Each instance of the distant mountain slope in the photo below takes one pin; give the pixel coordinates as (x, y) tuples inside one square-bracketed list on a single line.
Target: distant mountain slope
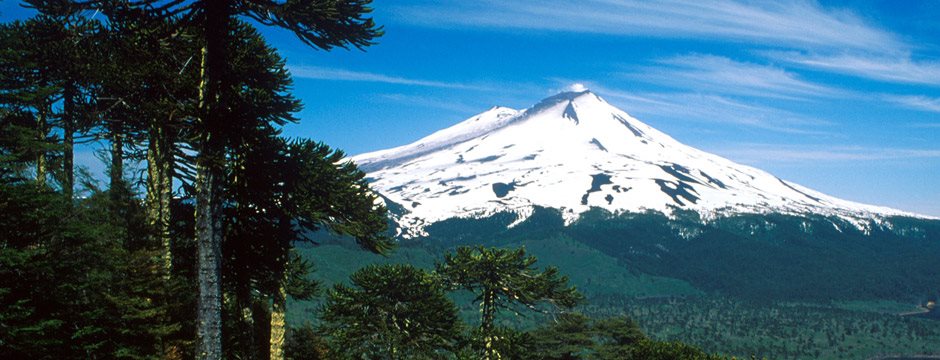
[(573, 152)]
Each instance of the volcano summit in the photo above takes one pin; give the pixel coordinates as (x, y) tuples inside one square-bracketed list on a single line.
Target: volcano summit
[(573, 152)]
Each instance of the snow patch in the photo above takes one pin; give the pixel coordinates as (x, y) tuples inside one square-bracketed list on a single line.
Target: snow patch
[(559, 152)]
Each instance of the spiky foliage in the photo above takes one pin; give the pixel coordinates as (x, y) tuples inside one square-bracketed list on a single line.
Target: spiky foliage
[(506, 343), (25, 102), (322, 24), (278, 192), (73, 287), (504, 279), (305, 343), (337, 196), (39, 91), (659, 350), (390, 312), (615, 336), (566, 337), (60, 81), (234, 108)]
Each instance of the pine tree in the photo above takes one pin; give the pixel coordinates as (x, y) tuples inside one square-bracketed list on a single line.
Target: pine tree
[(64, 64), (79, 286), (281, 191), (330, 193), (615, 336), (567, 337), (656, 350), (27, 92), (217, 98), (320, 24), (509, 344), (390, 312), (305, 343), (504, 279), (27, 327), (147, 93)]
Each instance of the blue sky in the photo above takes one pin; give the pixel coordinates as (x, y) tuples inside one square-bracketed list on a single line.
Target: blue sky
[(839, 96)]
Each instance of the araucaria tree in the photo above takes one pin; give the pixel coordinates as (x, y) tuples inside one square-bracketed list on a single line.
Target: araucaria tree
[(321, 24), (568, 337), (51, 84), (504, 279), (391, 312), (280, 191)]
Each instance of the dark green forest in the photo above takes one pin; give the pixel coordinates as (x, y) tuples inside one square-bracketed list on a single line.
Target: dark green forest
[(755, 257), (736, 293), (197, 239)]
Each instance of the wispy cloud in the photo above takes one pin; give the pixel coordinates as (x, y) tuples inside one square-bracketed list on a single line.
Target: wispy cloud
[(714, 109), (785, 153), (323, 73), (721, 75), (796, 24), (916, 102), (432, 102), (799, 33), (897, 68)]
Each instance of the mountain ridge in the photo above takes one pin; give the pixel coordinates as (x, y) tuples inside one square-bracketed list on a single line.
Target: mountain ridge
[(574, 151)]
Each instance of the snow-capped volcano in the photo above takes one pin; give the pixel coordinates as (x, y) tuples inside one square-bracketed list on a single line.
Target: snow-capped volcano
[(574, 151)]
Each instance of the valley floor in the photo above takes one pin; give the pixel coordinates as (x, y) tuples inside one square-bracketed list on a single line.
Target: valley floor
[(779, 330), (717, 324)]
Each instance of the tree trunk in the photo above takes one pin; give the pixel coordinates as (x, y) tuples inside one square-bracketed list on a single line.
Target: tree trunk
[(208, 236), (250, 347), (160, 164), (486, 324), (117, 160), (278, 323), (248, 341), (42, 162), (68, 141), (278, 330), (208, 176), (210, 266)]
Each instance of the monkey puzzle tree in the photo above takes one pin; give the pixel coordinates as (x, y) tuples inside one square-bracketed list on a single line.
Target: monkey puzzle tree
[(566, 337), (60, 81), (284, 190), (42, 82), (391, 312), (276, 191), (320, 24), (504, 279), (25, 97), (615, 336), (147, 101)]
